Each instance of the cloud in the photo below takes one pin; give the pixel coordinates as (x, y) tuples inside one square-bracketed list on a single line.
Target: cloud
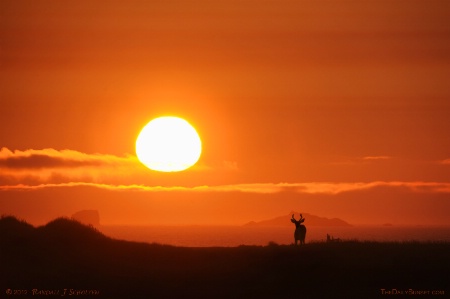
[(51, 158), (362, 160), (374, 158), (266, 188), (247, 188), (50, 168), (336, 188), (58, 166), (445, 162)]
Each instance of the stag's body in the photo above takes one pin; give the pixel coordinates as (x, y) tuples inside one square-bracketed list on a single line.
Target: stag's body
[(300, 230)]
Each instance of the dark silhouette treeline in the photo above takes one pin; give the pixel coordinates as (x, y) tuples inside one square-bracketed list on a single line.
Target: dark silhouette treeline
[(67, 255)]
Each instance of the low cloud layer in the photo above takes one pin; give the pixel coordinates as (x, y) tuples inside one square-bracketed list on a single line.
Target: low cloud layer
[(51, 158), (446, 162), (306, 188), (50, 166), (377, 158)]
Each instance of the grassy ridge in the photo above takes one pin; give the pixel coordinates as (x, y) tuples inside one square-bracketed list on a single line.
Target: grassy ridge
[(65, 254)]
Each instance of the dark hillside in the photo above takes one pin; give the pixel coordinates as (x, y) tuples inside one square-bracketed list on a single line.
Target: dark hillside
[(70, 231), (13, 229), (68, 255)]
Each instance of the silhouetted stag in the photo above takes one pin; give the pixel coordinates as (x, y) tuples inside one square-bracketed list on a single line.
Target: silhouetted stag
[(300, 230)]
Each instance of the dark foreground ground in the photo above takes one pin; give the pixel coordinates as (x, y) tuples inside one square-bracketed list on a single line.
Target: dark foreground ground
[(65, 258)]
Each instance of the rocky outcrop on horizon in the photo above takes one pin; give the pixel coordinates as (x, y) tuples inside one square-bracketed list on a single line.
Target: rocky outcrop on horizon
[(310, 220)]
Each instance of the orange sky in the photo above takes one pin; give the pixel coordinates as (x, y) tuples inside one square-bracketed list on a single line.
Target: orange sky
[(338, 108)]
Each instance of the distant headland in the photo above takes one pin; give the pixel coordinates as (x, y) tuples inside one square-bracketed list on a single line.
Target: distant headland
[(311, 220)]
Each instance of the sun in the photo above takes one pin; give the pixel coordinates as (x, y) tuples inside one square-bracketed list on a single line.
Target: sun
[(168, 144)]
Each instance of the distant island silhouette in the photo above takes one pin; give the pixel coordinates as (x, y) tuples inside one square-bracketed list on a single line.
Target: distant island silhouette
[(313, 220), (67, 256)]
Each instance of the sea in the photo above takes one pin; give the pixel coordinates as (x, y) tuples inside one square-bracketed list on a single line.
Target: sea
[(232, 236)]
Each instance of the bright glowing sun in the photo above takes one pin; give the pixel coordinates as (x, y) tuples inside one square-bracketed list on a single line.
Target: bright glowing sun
[(168, 144)]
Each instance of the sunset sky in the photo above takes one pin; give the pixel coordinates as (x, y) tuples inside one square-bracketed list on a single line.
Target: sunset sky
[(334, 108)]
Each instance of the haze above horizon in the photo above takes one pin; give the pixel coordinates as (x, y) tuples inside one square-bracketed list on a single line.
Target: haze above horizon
[(335, 108)]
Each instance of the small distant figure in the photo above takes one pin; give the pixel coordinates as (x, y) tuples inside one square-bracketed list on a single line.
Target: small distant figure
[(300, 229), (331, 239)]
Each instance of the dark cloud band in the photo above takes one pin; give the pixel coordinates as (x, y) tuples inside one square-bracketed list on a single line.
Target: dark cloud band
[(39, 161)]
